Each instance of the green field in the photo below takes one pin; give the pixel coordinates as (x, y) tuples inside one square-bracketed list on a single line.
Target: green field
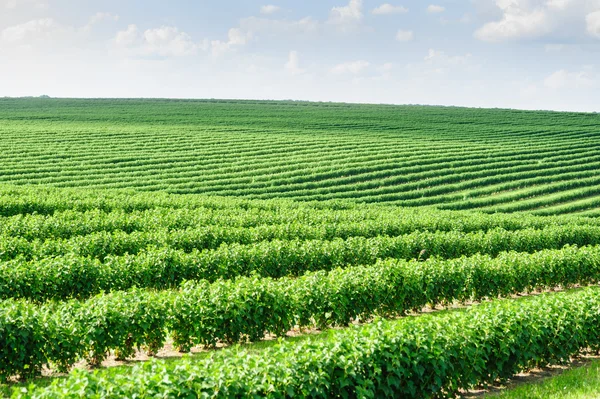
[(405, 235), (453, 158)]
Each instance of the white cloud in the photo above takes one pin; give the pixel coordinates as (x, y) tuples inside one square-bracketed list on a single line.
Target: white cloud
[(404, 35), (352, 67), (346, 18), (46, 34), (128, 37), (529, 19), (269, 9), (235, 37), (31, 31), (559, 4), (564, 79), (169, 41), (292, 66), (592, 21), (98, 18), (434, 9), (515, 23), (165, 41), (387, 9)]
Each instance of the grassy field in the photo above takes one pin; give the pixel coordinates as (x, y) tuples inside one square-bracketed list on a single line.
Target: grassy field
[(130, 228), (453, 158), (579, 383)]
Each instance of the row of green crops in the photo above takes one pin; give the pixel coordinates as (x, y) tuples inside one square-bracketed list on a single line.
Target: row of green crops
[(61, 213), (104, 243), (78, 273), (60, 333), (427, 356), (408, 155), (288, 222)]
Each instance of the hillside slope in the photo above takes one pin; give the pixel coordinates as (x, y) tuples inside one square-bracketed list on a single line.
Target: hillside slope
[(451, 158)]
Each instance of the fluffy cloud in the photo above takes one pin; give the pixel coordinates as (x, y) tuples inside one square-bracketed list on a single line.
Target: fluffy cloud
[(387, 9), (516, 22), (353, 67), (592, 21), (292, 66), (168, 40), (346, 18), (164, 41), (559, 4), (527, 19), (564, 79), (269, 9), (46, 34), (28, 32), (235, 37), (404, 35), (127, 37), (434, 9)]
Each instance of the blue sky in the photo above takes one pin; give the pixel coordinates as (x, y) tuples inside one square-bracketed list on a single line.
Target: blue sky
[(530, 54)]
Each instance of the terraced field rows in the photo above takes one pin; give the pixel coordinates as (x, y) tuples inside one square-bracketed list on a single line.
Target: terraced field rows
[(450, 158)]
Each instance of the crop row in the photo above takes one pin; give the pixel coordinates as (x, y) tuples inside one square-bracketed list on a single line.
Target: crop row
[(307, 221), (103, 243), (403, 183), (267, 163), (80, 276), (256, 156), (438, 192), (428, 356), (60, 333)]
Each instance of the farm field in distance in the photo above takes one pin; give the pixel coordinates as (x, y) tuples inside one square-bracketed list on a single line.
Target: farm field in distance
[(450, 158), (382, 251)]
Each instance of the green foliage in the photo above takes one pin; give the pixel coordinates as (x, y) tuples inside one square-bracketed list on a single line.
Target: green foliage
[(247, 308), (73, 275), (88, 268), (457, 158), (428, 356)]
